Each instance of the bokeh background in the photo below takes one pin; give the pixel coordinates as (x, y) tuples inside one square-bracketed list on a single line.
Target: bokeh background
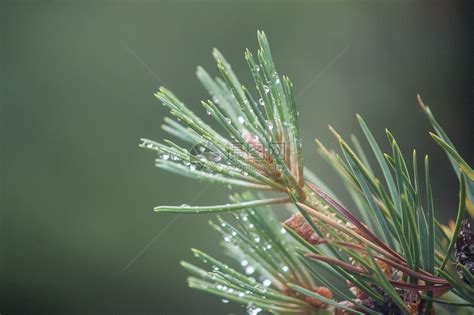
[(78, 234)]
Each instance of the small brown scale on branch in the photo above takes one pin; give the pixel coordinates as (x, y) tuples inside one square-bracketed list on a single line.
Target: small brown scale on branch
[(298, 224), (323, 291), (270, 169)]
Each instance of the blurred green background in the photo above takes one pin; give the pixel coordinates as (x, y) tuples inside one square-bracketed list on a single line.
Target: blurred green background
[(78, 234)]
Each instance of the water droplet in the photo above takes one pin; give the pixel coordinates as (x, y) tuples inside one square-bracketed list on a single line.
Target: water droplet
[(283, 231), (249, 270), (241, 294), (148, 145), (202, 158), (241, 119), (277, 80), (285, 268), (261, 102), (174, 158), (219, 287), (257, 238), (266, 89), (268, 246), (230, 290), (227, 239), (184, 205), (234, 233), (208, 112), (267, 282), (215, 157), (192, 167), (257, 67), (252, 310), (244, 263), (251, 225), (165, 156), (225, 301), (269, 125), (228, 120)]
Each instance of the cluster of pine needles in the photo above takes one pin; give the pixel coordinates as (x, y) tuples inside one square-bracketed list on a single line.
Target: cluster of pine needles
[(388, 255)]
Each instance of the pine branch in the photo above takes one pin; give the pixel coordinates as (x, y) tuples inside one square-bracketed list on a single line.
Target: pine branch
[(392, 253)]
